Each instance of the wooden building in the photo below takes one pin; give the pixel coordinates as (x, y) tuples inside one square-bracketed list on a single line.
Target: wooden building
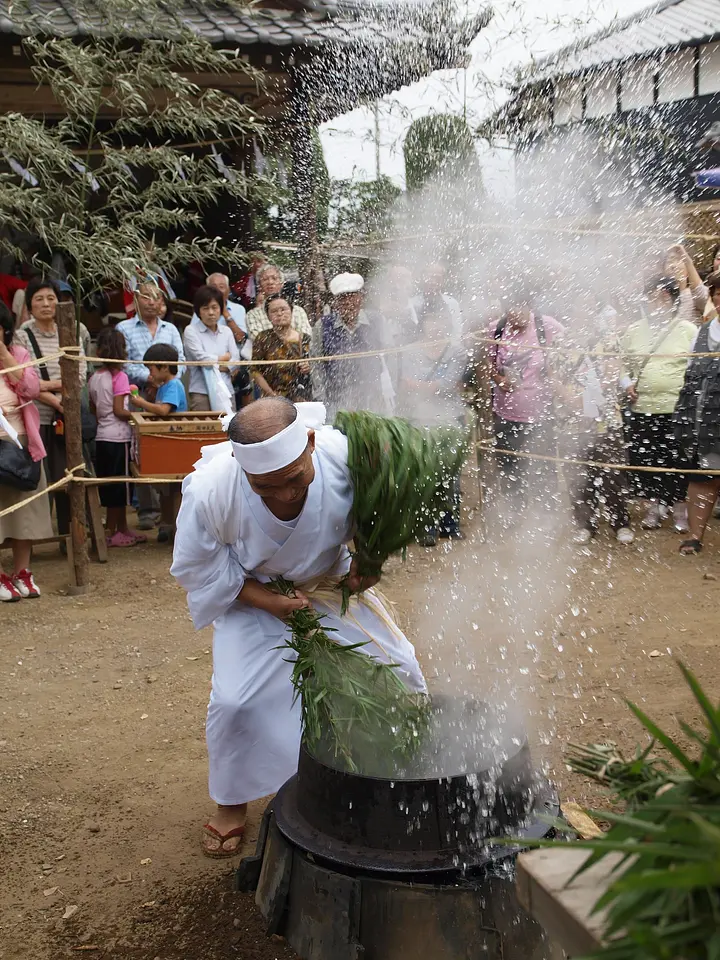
[(619, 121)]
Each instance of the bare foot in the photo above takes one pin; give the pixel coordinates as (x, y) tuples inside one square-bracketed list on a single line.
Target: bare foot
[(223, 833)]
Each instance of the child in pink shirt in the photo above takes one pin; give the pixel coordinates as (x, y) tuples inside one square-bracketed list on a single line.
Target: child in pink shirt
[(109, 390)]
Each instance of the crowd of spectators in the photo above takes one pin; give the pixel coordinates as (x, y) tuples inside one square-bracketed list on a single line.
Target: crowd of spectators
[(590, 383)]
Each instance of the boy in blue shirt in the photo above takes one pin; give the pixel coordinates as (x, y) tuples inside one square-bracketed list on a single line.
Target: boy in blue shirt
[(161, 359)]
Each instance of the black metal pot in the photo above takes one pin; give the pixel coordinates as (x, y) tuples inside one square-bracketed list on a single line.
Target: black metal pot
[(419, 824)]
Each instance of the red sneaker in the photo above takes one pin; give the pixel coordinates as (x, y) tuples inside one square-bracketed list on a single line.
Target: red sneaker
[(8, 593), (24, 583)]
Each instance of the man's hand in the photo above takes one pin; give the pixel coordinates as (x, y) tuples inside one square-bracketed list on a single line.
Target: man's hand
[(258, 595), (631, 393), (356, 583), (281, 607)]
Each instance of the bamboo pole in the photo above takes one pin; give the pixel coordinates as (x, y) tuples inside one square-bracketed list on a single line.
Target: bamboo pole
[(71, 394)]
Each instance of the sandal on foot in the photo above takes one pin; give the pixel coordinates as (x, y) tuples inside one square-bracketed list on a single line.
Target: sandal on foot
[(222, 838), (690, 547), (119, 539), (138, 537)]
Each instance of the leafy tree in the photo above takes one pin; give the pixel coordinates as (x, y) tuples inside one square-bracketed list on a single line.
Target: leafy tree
[(116, 168), (440, 146), (363, 209)]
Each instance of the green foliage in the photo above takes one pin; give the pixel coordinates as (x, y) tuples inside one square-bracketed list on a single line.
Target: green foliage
[(633, 781), (353, 705), (274, 208), (362, 210), (400, 477), (440, 146), (110, 173), (664, 902)]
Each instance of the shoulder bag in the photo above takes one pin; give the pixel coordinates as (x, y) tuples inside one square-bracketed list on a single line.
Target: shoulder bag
[(89, 421), (659, 340), (17, 467)]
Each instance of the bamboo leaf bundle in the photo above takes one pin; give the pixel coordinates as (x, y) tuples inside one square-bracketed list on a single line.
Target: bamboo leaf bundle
[(353, 705), (401, 477)]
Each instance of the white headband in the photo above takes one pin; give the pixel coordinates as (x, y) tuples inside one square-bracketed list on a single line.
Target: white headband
[(285, 447)]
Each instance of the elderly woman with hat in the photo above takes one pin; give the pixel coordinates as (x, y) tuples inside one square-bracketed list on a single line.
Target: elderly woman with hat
[(353, 383)]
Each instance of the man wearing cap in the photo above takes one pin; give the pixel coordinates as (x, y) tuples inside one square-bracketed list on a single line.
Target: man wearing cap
[(276, 500), (361, 383)]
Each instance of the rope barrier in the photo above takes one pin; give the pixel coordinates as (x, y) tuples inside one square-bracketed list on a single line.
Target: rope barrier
[(35, 363), (364, 354), (63, 482), (481, 445), (491, 448), (98, 481), (71, 353)]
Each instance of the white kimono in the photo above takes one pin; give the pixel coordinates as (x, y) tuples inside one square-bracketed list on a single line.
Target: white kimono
[(226, 534)]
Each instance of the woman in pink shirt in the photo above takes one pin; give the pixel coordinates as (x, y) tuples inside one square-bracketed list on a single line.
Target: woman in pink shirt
[(17, 391), (522, 390), (109, 389)]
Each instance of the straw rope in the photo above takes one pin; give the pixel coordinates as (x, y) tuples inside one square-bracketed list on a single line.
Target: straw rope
[(99, 481), (481, 445), (36, 363), (477, 338), (63, 482), (71, 353), (491, 448)]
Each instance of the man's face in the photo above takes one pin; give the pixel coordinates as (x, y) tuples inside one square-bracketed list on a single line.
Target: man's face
[(219, 281), (348, 305), (289, 485), (271, 282), (149, 301)]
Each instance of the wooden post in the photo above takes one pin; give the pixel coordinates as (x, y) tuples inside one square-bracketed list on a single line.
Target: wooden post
[(71, 395)]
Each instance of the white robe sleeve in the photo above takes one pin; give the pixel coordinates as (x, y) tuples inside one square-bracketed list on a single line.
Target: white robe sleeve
[(206, 568)]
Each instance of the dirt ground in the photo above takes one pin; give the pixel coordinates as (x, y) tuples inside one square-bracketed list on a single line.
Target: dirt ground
[(102, 702)]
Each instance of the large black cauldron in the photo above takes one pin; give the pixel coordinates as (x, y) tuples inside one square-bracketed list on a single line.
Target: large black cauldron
[(351, 866)]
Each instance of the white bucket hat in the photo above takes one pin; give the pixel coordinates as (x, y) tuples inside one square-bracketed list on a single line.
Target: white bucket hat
[(346, 283)]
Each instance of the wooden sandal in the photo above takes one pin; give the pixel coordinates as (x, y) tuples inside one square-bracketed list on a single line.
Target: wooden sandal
[(689, 548), (221, 852)]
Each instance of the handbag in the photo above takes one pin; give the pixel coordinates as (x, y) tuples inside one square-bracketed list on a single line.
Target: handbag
[(17, 467), (625, 403), (88, 419)]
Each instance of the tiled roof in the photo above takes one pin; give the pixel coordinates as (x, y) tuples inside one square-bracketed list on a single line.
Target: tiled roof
[(290, 23), (670, 23)]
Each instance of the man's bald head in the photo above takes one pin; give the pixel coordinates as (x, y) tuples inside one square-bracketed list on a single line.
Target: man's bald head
[(261, 420), (220, 281), (283, 490)]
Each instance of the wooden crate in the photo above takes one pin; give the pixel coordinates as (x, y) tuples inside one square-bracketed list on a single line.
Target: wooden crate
[(167, 447)]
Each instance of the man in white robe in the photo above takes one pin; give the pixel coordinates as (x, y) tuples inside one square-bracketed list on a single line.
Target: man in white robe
[(274, 501)]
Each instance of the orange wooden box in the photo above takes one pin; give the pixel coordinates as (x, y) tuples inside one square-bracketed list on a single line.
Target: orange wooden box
[(167, 447)]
